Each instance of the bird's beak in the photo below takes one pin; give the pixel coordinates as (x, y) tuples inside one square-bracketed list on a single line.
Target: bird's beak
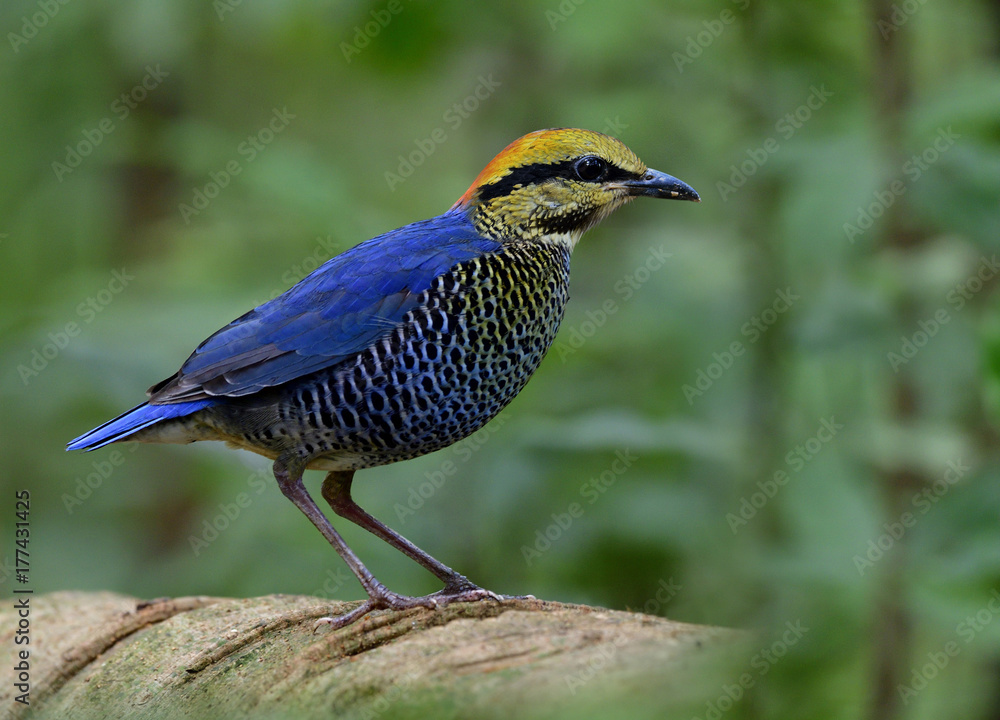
[(660, 185)]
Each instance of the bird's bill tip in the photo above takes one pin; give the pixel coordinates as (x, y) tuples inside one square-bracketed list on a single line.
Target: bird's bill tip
[(660, 185)]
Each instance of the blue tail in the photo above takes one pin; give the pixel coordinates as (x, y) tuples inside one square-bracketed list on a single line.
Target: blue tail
[(139, 417)]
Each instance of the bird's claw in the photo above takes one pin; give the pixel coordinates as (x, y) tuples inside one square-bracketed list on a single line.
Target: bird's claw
[(470, 594), (387, 600)]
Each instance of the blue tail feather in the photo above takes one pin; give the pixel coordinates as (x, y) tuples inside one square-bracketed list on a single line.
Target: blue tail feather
[(136, 419)]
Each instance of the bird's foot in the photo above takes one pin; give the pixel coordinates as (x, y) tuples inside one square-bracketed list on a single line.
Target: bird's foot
[(466, 592), (381, 599), (387, 600)]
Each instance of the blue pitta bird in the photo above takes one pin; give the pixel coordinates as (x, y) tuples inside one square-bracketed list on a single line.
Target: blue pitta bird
[(405, 343)]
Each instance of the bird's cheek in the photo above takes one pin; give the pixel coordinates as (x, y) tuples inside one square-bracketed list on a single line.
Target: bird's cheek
[(554, 195)]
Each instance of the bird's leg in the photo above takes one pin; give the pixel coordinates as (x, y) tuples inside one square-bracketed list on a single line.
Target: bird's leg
[(290, 481), (289, 477), (337, 492)]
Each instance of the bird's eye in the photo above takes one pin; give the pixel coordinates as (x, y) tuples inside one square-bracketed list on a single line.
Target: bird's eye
[(591, 169)]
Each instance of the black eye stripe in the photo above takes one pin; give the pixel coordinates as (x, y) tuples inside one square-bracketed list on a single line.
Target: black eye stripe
[(536, 172)]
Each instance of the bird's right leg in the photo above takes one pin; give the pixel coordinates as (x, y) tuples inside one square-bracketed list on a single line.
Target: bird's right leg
[(337, 492), (288, 473)]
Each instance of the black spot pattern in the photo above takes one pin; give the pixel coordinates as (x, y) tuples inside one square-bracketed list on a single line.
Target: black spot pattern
[(474, 341)]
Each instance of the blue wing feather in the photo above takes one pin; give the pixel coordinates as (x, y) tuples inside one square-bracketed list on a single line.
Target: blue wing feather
[(131, 422), (328, 317)]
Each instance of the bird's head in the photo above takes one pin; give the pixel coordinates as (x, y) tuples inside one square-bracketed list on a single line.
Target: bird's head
[(556, 184)]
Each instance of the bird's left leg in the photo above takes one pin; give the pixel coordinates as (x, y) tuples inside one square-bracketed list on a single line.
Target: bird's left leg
[(337, 492)]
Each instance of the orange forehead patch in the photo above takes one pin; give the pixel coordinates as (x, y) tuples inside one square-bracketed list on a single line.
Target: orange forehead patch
[(553, 146)]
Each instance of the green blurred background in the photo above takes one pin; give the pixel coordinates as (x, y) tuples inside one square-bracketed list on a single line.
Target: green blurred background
[(848, 157)]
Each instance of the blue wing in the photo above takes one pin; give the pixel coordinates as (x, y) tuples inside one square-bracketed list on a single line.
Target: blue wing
[(328, 317)]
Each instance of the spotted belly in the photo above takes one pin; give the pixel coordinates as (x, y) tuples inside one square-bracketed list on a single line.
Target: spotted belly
[(454, 362)]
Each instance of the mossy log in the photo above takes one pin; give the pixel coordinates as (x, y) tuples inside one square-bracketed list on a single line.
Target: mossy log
[(102, 655)]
